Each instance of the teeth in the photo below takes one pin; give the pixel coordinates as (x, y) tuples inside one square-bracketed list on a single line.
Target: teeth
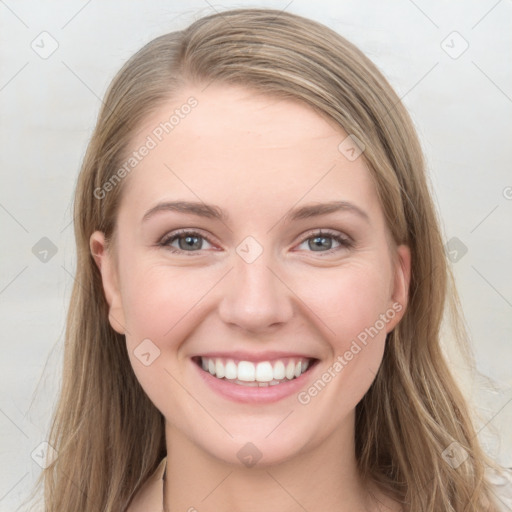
[(247, 373), (219, 369), (231, 370), (279, 371), (264, 372), (290, 370)]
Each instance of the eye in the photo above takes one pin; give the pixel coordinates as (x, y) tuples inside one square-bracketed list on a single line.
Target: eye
[(323, 241), (187, 241)]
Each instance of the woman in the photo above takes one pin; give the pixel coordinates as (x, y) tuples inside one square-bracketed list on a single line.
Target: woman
[(260, 286)]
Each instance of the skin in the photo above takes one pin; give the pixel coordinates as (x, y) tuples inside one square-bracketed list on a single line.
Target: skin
[(256, 157)]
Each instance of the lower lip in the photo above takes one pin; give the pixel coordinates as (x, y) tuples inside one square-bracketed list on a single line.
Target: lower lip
[(255, 394)]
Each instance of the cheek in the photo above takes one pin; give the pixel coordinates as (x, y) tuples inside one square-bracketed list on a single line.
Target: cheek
[(347, 300), (162, 307), (354, 309), (158, 299)]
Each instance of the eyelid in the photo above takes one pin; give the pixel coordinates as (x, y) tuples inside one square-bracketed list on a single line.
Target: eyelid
[(328, 232), (183, 231)]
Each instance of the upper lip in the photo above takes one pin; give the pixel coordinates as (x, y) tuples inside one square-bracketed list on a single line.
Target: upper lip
[(254, 356)]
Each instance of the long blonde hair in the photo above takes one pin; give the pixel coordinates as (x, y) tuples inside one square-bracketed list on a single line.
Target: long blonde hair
[(108, 435)]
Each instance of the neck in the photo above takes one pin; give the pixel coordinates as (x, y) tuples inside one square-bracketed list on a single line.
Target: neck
[(319, 478)]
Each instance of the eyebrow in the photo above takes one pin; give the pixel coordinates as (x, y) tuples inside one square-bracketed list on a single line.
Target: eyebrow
[(214, 212), (194, 208)]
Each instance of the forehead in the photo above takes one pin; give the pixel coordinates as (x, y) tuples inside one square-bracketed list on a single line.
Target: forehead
[(238, 147), (236, 116)]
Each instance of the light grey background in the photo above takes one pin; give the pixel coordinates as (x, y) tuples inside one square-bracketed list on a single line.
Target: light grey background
[(461, 104)]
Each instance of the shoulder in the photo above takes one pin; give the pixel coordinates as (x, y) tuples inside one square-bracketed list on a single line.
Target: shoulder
[(150, 497), (502, 487)]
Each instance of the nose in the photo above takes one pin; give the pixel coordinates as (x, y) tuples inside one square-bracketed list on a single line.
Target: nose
[(254, 297)]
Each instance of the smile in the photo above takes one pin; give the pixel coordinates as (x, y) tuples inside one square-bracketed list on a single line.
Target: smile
[(261, 374)]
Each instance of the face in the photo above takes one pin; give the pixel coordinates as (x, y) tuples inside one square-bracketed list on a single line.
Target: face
[(254, 280)]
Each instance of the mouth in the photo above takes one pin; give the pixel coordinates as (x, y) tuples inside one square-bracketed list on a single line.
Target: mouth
[(259, 374)]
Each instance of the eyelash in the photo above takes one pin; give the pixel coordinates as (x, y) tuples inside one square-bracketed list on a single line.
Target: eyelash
[(345, 242)]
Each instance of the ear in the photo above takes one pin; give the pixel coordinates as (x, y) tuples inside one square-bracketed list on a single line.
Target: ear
[(105, 261), (400, 289)]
